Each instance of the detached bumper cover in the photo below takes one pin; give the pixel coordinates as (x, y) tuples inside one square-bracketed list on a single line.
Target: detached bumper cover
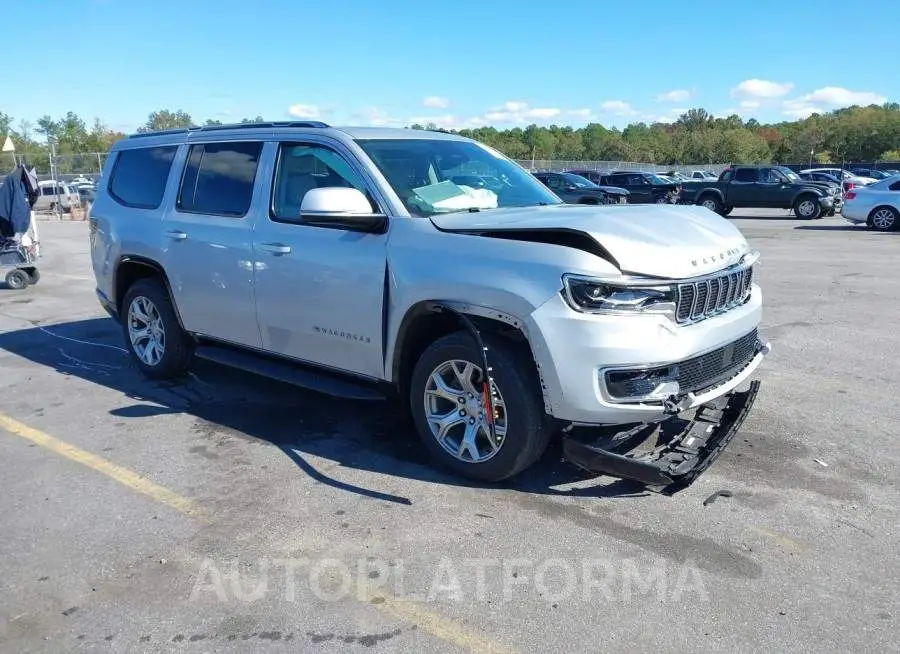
[(683, 456)]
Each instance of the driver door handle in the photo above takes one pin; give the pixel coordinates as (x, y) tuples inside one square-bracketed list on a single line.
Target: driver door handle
[(176, 234), (275, 248)]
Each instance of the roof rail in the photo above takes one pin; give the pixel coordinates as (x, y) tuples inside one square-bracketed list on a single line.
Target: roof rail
[(211, 128)]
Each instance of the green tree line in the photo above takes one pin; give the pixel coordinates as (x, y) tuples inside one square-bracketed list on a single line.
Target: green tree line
[(852, 134)]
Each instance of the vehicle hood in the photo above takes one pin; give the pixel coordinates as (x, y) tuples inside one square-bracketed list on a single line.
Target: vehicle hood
[(670, 241), (827, 187), (612, 190)]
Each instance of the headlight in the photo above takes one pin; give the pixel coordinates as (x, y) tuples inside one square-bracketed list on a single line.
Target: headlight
[(599, 296)]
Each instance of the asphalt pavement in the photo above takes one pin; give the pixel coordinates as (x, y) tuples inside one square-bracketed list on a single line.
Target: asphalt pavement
[(231, 513)]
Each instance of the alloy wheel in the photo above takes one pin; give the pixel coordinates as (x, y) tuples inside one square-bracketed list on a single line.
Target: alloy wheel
[(456, 413), (146, 331), (883, 219), (807, 208)]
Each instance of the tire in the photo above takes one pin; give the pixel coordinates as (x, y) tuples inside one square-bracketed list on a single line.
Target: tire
[(726, 210), (883, 219), (149, 297), (661, 199), (807, 207), (712, 203), (520, 408), (17, 279), (34, 275)]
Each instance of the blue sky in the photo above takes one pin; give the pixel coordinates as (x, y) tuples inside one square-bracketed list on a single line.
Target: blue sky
[(458, 63)]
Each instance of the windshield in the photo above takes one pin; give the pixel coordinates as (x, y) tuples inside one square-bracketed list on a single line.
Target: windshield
[(578, 181), (790, 174), (436, 176)]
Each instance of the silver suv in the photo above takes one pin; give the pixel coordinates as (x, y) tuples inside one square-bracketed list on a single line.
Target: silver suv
[(430, 267)]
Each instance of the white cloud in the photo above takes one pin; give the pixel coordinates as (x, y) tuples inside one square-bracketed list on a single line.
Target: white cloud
[(678, 95), (828, 98), (836, 96), (515, 106), (618, 107), (304, 111), (541, 113), (760, 88), (518, 112), (436, 102), (749, 104)]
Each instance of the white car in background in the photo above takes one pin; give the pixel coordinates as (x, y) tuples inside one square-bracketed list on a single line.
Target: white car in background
[(876, 205), (850, 180)]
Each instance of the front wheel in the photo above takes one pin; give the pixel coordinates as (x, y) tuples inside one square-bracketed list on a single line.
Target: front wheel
[(152, 333), (884, 219), (17, 279), (448, 400), (712, 203), (807, 208)]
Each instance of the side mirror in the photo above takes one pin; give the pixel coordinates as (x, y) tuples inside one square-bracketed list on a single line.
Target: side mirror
[(340, 208)]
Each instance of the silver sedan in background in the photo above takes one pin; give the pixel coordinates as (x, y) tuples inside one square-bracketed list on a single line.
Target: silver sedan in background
[(876, 205)]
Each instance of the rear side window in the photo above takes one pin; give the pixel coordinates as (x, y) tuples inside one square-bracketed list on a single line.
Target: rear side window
[(895, 186), (139, 176), (218, 178), (746, 175)]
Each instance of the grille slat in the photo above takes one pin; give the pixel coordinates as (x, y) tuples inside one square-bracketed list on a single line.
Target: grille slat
[(701, 299)]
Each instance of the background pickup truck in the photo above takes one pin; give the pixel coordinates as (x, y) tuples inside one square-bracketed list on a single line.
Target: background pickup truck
[(774, 187)]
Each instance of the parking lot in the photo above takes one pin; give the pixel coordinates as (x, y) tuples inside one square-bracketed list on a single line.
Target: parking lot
[(232, 513)]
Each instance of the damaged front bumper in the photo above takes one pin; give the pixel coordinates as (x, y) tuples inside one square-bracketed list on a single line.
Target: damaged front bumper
[(684, 448)]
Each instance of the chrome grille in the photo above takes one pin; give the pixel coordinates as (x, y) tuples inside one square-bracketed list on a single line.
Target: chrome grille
[(713, 295)]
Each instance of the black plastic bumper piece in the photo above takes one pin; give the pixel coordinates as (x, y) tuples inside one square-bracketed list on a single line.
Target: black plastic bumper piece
[(676, 463)]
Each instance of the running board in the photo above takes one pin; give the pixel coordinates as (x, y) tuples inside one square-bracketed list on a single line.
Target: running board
[(677, 463), (288, 372)]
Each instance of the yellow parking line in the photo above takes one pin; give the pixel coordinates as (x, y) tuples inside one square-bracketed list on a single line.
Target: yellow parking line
[(411, 612), (124, 476), (437, 625), (784, 541)]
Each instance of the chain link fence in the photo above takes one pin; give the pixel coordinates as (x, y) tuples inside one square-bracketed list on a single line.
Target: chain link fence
[(556, 165), (62, 167)]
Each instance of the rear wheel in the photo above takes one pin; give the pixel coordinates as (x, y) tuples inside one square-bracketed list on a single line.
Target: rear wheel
[(807, 207), (450, 411), (884, 219), (154, 338)]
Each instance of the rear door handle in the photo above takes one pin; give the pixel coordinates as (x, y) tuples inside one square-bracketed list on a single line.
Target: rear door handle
[(176, 235), (275, 248)]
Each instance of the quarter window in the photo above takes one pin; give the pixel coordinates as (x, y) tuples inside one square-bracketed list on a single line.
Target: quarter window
[(302, 168), (218, 178), (140, 175)]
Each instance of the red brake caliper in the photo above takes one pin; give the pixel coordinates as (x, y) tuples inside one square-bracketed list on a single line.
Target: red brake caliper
[(486, 401)]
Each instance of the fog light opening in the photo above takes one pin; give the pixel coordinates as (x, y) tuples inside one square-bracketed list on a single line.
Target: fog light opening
[(656, 384)]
